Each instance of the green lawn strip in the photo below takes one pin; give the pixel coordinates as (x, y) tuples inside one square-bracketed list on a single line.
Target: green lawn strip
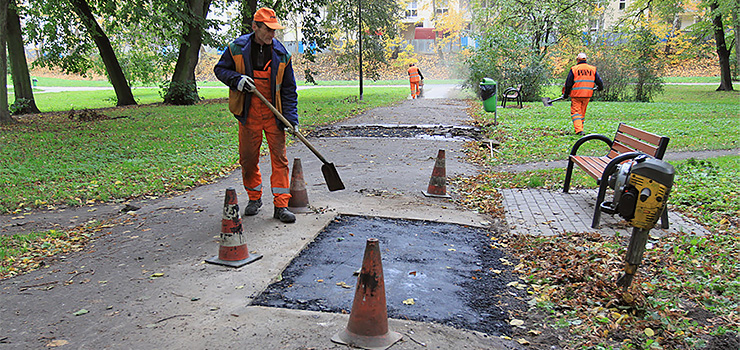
[(695, 118), (145, 150)]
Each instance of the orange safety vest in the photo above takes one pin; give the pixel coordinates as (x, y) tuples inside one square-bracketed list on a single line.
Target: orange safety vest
[(584, 80), (237, 98), (414, 74)]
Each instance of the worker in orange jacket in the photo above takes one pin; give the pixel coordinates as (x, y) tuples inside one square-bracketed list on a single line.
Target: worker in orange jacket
[(579, 85), (416, 79), (258, 61)]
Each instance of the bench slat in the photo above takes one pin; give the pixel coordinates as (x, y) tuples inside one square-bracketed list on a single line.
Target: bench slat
[(621, 148), (636, 144), (594, 166), (640, 134)]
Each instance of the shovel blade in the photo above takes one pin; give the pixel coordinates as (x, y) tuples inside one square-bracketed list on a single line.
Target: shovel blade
[(331, 176), (547, 102)]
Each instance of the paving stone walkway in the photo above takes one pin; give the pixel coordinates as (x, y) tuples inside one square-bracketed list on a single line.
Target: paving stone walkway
[(544, 212)]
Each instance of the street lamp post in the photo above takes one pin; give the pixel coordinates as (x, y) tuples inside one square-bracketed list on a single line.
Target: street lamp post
[(359, 38)]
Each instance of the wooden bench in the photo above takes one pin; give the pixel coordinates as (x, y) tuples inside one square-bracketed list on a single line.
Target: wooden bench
[(628, 143), (512, 94)]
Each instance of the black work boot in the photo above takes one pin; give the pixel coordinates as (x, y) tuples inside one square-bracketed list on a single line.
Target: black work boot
[(284, 215), (253, 207)]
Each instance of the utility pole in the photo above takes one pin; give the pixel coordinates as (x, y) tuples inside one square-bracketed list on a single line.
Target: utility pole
[(359, 39)]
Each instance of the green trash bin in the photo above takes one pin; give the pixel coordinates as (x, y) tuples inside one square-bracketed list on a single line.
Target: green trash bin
[(488, 94)]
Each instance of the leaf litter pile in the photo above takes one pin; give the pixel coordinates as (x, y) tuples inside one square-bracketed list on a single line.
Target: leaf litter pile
[(686, 293)]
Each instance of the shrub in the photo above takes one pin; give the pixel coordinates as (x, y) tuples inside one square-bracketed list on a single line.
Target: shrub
[(179, 93), (509, 60)]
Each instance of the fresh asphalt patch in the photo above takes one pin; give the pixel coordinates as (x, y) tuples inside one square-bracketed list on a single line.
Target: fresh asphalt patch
[(449, 132), (434, 272)]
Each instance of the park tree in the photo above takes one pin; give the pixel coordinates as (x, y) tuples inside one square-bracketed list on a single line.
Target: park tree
[(182, 89), (514, 38), (375, 25), (5, 117), (22, 88), (450, 27), (68, 43), (717, 13)]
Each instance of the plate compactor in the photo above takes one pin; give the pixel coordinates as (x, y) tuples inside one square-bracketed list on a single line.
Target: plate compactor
[(641, 188)]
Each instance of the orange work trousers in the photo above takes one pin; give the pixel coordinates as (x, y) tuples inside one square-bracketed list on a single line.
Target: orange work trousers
[(259, 119), (578, 112), (415, 89)]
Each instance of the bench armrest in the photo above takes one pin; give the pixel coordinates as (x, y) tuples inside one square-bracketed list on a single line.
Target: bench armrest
[(589, 137)]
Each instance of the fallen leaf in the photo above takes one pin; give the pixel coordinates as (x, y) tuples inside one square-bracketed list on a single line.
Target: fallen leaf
[(80, 312), (649, 332), (409, 301), (516, 322), (522, 341), (413, 273), (157, 275), (239, 287), (56, 342)]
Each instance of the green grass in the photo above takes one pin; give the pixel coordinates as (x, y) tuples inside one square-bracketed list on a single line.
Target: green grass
[(144, 151), (695, 117)]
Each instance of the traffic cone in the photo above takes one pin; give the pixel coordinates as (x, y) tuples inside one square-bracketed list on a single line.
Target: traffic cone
[(368, 321), (438, 182), (298, 202), (233, 249)]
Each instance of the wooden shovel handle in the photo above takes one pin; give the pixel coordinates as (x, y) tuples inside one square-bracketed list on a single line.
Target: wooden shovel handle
[(287, 124)]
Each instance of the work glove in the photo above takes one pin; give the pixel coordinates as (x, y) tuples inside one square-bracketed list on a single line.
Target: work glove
[(293, 129), (245, 84)]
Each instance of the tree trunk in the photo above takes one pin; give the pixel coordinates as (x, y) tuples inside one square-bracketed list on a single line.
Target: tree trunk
[(18, 65), (112, 67), (722, 51), (737, 41), (183, 89), (248, 8), (5, 117)]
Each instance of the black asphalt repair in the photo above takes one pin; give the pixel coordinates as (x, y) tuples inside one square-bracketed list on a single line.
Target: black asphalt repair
[(449, 132), (434, 272)]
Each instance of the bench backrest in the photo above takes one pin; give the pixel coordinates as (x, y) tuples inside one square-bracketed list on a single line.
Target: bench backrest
[(630, 139)]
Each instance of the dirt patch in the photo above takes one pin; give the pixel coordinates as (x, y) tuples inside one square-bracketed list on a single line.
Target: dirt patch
[(450, 274)]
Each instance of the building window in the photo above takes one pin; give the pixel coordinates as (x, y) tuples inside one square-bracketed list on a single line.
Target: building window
[(441, 7), (411, 9), (622, 4)]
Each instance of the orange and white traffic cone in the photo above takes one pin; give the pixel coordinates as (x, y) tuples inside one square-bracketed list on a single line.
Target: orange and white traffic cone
[(233, 250), (368, 321), (298, 202), (438, 182)]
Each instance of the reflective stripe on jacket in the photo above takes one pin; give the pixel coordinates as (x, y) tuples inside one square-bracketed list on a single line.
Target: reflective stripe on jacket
[(584, 80), (414, 74)]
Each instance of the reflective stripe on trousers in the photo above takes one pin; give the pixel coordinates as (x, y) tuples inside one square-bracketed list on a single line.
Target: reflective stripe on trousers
[(578, 112)]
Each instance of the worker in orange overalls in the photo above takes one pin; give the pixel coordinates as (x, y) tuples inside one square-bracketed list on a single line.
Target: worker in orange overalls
[(258, 61), (580, 86), (415, 79)]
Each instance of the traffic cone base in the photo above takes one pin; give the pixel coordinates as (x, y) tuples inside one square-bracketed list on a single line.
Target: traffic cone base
[(427, 194), (383, 342), (234, 263)]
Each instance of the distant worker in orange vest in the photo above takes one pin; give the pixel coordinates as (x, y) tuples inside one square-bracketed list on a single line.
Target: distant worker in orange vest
[(579, 85), (258, 61), (416, 80)]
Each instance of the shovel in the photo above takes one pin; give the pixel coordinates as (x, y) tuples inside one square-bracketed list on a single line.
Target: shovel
[(331, 176), (548, 102)]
